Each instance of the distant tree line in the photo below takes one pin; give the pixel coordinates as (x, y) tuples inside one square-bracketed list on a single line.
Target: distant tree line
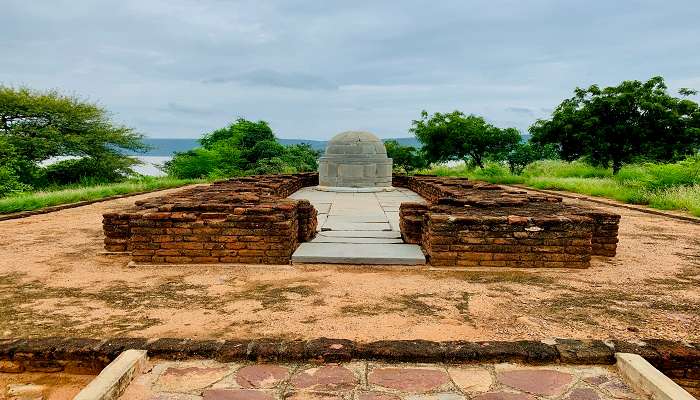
[(609, 127)]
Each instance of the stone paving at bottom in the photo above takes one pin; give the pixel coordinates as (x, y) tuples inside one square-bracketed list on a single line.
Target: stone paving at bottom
[(209, 380)]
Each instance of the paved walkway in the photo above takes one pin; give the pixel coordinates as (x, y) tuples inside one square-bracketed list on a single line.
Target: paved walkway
[(358, 228), (209, 380)]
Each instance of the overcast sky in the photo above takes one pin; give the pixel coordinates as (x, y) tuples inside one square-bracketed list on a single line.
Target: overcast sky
[(315, 68)]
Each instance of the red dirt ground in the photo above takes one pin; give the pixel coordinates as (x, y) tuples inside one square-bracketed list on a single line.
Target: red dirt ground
[(55, 282)]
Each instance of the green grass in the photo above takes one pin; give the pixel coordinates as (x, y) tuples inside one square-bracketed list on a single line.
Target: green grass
[(40, 199), (673, 186)]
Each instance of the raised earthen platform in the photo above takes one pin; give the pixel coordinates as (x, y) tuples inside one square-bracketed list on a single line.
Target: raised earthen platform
[(475, 224), (462, 224)]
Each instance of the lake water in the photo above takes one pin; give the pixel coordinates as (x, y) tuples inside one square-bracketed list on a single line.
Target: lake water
[(150, 165)]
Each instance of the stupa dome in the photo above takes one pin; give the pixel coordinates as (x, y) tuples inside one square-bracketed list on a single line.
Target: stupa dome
[(355, 159)]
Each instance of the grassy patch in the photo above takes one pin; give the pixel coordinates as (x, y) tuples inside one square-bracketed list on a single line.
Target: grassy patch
[(274, 297), (673, 186), (525, 278), (40, 199)]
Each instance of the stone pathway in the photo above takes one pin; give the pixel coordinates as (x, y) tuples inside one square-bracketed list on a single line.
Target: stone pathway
[(358, 228), (209, 380)]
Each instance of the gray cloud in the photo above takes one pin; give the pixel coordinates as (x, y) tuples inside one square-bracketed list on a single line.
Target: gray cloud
[(184, 67), (520, 110), (289, 80)]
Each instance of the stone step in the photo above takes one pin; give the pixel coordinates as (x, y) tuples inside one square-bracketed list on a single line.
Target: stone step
[(366, 234), (325, 239), (355, 226), (358, 253)]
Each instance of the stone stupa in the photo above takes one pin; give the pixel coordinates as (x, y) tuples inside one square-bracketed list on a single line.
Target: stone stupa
[(355, 161)]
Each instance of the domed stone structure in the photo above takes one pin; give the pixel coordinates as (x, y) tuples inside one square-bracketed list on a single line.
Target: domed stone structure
[(355, 159)]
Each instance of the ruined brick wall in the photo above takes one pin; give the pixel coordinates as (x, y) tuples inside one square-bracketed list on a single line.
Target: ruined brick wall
[(507, 241), (411, 218), (605, 230), (259, 234), (470, 223), (243, 220)]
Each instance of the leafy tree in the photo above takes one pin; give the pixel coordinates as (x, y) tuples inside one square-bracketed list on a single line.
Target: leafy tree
[(302, 157), (193, 164), (528, 152), (41, 125), (242, 132), (405, 158), (456, 136), (264, 149), (620, 124), (273, 165), (242, 148)]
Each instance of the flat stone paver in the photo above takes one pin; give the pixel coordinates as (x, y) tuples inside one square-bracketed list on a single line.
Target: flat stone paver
[(359, 253), (358, 228), (542, 382), (361, 234), (333, 239), (412, 380), (366, 380)]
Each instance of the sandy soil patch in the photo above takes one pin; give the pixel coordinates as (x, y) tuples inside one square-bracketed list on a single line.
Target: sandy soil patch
[(53, 281), (57, 385)]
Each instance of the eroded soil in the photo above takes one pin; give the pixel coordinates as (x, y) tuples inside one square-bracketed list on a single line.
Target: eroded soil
[(55, 282)]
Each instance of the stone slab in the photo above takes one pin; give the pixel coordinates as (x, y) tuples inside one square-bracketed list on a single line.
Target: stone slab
[(325, 239), (344, 219), (358, 253), (644, 378), (356, 226), (339, 189), (365, 234)]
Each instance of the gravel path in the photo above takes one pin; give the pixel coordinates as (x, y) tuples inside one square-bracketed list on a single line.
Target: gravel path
[(54, 281)]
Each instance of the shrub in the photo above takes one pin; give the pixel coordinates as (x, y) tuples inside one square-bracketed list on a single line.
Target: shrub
[(9, 184), (193, 164), (564, 169), (86, 170)]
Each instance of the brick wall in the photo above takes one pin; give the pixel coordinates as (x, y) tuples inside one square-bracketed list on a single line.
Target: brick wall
[(244, 220), (470, 223)]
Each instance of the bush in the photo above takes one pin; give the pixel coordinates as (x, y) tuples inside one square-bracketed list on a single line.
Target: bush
[(9, 184), (87, 170), (564, 169), (405, 158), (194, 164)]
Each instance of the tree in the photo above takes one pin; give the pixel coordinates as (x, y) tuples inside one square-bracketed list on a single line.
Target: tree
[(302, 157), (37, 126), (405, 158), (456, 136), (620, 124), (528, 152), (242, 148), (242, 132)]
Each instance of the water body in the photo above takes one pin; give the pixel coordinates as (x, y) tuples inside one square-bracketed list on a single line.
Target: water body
[(166, 147)]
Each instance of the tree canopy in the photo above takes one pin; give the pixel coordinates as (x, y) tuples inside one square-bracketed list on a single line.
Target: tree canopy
[(633, 121), (456, 136), (36, 126), (405, 158), (242, 148)]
